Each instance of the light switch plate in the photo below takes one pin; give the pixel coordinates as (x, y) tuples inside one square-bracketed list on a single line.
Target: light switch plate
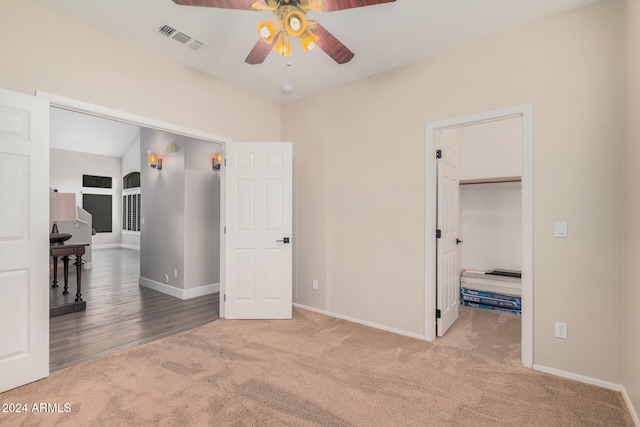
[(562, 229)]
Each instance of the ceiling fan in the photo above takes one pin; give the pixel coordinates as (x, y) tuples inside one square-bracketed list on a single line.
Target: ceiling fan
[(290, 22)]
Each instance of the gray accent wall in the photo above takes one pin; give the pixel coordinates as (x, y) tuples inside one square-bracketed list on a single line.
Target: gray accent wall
[(180, 211), (202, 201), (162, 231)]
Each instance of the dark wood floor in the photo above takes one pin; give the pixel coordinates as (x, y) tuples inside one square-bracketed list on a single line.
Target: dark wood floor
[(120, 314)]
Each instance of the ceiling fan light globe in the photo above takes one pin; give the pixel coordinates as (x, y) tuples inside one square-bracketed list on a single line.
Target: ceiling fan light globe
[(268, 30), (308, 40), (295, 23), (283, 45)]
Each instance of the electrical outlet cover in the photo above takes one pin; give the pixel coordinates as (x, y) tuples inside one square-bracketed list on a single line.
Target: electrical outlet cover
[(561, 330)]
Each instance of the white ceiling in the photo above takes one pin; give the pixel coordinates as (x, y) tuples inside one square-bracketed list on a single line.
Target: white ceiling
[(383, 37), (88, 134)]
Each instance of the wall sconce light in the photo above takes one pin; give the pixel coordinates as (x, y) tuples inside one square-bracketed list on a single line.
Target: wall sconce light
[(216, 159), (155, 161)]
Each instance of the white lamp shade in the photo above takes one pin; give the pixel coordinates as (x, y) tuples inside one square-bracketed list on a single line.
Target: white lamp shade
[(62, 207)]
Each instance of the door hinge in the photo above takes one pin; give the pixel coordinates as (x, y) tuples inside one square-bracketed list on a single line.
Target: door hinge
[(225, 162), (225, 229), (438, 154), (438, 234), (225, 298), (438, 314)]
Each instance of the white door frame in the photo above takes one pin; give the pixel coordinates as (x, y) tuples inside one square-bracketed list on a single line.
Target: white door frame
[(526, 112), (121, 116)]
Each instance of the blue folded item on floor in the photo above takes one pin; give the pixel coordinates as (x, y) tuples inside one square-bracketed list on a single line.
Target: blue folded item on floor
[(491, 295), (492, 302), (489, 307)]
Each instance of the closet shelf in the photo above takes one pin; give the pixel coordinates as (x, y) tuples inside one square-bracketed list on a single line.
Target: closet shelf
[(491, 180)]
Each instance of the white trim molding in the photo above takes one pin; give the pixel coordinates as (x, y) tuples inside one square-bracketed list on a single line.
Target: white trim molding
[(201, 291), (361, 322), (106, 246), (593, 381), (526, 112), (577, 377), (109, 113), (115, 246), (177, 292), (632, 409), (127, 246)]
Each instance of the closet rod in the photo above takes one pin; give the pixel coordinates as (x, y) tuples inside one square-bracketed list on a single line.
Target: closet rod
[(491, 180)]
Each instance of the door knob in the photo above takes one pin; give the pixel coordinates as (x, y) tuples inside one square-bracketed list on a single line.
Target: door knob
[(284, 240), (458, 241)]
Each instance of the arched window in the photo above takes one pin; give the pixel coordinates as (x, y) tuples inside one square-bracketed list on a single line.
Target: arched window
[(131, 180)]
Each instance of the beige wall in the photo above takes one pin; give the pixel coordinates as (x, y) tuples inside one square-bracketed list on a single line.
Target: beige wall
[(359, 181), (631, 291), (48, 51), (359, 161)]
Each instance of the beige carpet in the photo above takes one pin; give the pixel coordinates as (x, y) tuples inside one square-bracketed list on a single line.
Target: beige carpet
[(317, 370)]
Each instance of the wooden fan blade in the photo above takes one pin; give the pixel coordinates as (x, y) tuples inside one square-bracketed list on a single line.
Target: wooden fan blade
[(259, 52), (331, 45), (222, 4), (331, 5)]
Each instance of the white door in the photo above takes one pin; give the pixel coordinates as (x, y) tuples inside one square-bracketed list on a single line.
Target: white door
[(447, 276), (24, 239), (258, 239)]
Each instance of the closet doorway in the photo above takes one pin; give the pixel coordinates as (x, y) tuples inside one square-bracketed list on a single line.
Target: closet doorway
[(478, 212)]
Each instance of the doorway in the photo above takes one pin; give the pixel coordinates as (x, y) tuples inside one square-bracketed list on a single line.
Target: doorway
[(525, 113), (201, 177)]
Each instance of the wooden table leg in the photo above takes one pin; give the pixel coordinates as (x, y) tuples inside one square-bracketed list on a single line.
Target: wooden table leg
[(65, 262), (78, 265), (55, 272)]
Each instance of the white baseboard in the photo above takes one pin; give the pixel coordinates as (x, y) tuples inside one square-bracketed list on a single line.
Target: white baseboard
[(611, 386), (161, 287), (201, 291), (362, 322), (116, 246), (179, 293), (632, 409), (106, 246), (577, 377)]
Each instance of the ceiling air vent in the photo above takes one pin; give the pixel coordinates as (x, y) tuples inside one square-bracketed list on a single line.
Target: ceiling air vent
[(173, 33)]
